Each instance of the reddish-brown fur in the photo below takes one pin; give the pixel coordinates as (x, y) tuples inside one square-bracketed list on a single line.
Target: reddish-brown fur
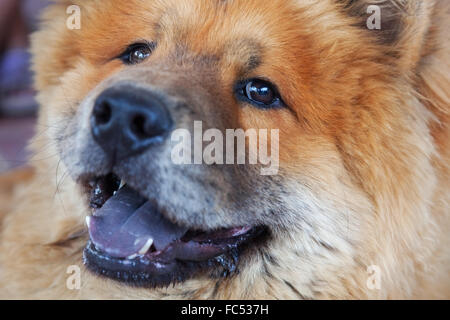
[(368, 130)]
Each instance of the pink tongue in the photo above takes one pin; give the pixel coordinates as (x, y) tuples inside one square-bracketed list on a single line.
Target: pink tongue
[(127, 222)]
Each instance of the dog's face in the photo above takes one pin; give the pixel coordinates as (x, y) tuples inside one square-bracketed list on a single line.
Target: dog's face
[(117, 89)]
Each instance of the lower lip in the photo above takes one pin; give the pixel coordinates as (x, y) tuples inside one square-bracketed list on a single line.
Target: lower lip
[(167, 264)]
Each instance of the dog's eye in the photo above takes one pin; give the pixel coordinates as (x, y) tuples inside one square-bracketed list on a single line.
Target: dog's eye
[(138, 52), (259, 92)]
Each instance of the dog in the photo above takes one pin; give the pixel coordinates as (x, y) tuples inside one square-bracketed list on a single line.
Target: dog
[(358, 208)]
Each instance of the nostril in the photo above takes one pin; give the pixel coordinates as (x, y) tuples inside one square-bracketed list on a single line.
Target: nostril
[(146, 125), (138, 125), (102, 113)]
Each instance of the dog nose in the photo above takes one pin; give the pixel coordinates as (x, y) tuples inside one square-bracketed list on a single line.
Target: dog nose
[(129, 120)]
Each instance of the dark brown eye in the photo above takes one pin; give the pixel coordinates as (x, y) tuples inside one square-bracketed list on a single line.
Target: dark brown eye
[(136, 53), (260, 91)]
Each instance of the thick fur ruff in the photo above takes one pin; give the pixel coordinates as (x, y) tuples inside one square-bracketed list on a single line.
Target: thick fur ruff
[(364, 146)]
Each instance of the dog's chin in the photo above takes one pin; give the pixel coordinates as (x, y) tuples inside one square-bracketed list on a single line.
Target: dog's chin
[(132, 241)]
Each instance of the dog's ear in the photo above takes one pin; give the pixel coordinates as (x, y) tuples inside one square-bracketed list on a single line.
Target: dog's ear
[(402, 25)]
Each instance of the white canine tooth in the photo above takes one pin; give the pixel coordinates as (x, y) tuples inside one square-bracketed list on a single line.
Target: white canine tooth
[(88, 220), (122, 184), (131, 257), (146, 246)]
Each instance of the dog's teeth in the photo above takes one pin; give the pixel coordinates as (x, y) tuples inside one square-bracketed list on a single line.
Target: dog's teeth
[(88, 220), (146, 246), (114, 193), (143, 250), (122, 184)]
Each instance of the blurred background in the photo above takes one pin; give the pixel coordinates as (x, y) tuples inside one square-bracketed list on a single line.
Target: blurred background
[(18, 19)]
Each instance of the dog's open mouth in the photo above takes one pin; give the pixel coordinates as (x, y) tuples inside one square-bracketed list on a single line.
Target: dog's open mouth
[(132, 241)]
